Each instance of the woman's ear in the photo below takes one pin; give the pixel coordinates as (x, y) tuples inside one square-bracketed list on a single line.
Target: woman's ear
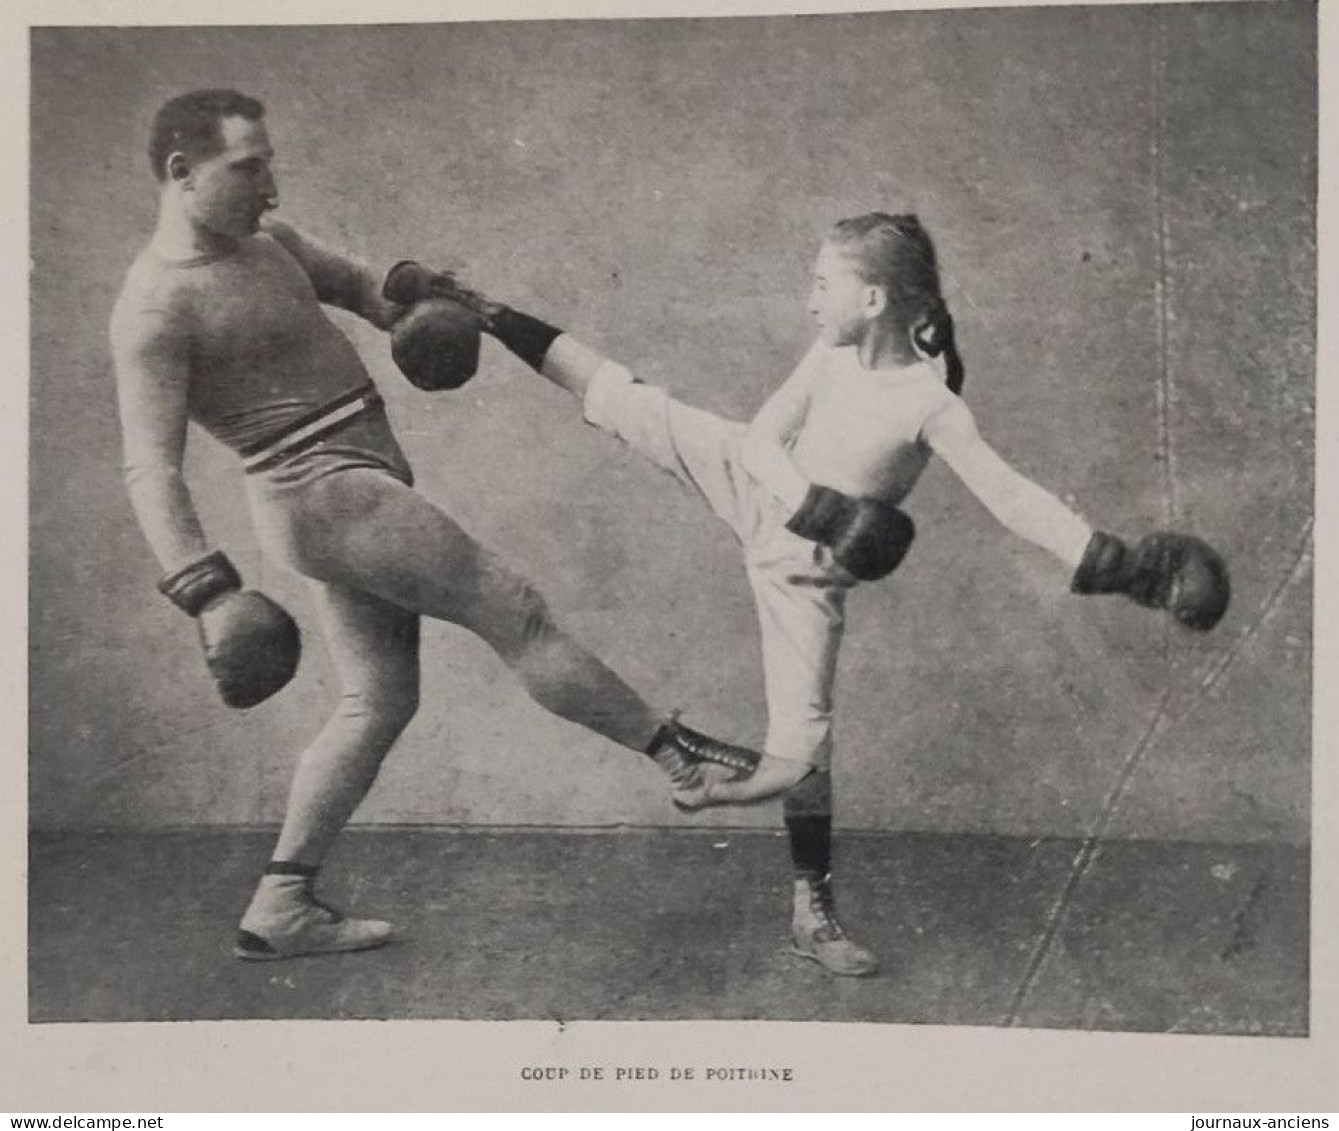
[(875, 300)]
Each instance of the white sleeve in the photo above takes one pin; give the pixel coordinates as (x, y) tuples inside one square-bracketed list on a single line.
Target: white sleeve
[(766, 449), (1017, 502)]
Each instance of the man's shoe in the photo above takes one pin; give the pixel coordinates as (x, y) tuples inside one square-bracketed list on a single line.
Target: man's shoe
[(818, 935), (772, 778), (692, 759), (707, 772), (285, 920)]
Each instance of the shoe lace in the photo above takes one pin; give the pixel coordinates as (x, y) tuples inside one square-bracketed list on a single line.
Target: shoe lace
[(702, 748), (823, 908), (681, 771)]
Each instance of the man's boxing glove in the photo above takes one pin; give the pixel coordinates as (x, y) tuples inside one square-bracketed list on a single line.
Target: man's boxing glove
[(436, 344), (252, 646), (529, 338), (868, 537), (1177, 572)]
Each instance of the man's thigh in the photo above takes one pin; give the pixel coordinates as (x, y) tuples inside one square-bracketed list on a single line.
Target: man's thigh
[(371, 532), (373, 643)]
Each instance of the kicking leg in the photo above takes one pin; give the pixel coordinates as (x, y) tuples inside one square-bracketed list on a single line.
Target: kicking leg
[(395, 543), (697, 448), (374, 646)]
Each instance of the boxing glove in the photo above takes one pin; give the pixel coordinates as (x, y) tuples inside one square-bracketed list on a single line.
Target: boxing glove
[(436, 344), (868, 537), (1166, 570), (251, 645)]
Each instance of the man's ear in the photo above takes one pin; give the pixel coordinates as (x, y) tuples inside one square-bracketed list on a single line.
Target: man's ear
[(178, 168)]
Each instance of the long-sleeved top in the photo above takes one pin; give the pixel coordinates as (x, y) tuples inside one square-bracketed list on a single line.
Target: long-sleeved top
[(238, 343), (871, 432)]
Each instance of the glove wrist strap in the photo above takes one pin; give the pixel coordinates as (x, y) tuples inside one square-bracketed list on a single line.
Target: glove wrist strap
[(409, 282), (1102, 569), (823, 512), (527, 337), (199, 583)]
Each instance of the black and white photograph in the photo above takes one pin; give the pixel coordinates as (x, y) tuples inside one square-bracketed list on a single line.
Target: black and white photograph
[(775, 518)]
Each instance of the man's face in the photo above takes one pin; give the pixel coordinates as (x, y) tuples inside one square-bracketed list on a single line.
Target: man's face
[(228, 192), (841, 302)]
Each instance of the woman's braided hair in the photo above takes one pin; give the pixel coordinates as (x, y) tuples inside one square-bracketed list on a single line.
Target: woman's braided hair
[(897, 254)]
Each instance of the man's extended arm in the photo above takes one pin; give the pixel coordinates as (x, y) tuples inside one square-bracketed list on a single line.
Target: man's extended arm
[(340, 280)]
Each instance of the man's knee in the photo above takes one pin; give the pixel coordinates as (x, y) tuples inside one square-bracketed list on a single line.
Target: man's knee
[(384, 710), (518, 618), (533, 614)]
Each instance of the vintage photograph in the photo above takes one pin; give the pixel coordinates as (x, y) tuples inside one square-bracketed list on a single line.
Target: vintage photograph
[(787, 518)]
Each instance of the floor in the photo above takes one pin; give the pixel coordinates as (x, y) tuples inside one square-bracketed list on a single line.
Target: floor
[(649, 924)]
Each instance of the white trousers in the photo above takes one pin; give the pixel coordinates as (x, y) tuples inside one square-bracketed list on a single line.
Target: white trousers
[(799, 590)]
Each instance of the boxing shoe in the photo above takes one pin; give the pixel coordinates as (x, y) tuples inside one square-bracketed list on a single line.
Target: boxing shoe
[(773, 777), (817, 935), (708, 772), (286, 920)]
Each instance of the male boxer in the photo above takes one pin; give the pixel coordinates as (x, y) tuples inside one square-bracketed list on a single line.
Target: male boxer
[(219, 322)]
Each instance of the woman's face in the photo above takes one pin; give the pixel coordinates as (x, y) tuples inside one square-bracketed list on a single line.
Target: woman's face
[(841, 302)]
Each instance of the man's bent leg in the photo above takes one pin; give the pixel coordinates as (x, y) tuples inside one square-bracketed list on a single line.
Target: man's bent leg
[(412, 554), (375, 650)]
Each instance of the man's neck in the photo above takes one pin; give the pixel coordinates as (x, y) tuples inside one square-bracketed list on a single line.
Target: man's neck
[(177, 237)]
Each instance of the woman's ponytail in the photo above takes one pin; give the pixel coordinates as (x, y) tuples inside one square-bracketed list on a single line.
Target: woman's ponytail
[(935, 337)]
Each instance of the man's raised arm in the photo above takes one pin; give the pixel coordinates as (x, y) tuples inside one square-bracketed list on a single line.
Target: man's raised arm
[(340, 279)]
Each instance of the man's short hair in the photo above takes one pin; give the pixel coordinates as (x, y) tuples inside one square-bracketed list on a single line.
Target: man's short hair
[(189, 124)]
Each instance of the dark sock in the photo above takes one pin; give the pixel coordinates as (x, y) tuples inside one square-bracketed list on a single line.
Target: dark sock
[(810, 845), (528, 338), (291, 868)]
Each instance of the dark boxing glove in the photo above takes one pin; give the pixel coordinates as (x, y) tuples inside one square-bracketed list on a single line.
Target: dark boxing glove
[(868, 537), (251, 644), (436, 344), (409, 283), (527, 337), (1176, 572)]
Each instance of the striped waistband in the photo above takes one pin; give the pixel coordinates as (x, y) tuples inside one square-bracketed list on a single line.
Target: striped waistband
[(309, 429)]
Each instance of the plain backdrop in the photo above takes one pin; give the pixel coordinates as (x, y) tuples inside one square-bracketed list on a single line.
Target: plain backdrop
[(1124, 206)]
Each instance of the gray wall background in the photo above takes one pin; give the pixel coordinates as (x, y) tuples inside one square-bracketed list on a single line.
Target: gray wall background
[(1123, 201)]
